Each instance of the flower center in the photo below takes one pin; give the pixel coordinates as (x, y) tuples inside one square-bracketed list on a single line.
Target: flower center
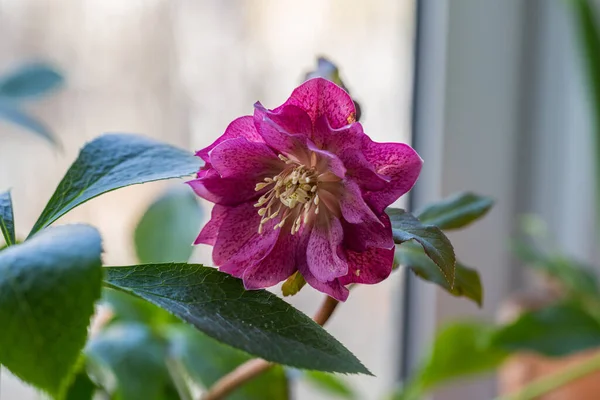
[(293, 193)]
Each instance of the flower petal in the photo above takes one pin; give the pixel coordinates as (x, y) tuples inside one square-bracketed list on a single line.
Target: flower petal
[(334, 288), (224, 191), (399, 162), (368, 267), (353, 207), (359, 237), (208, 234), (276, 266), (322, 253), (319, 97), (240, 158), (241, 127)]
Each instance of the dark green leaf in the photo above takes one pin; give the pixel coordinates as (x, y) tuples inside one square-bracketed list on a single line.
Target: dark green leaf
[(13, 114), (557, 330), (48, 286), (406, 227), (466, 280), (207, 360), (82, 388), (456, 211), (255, 321), (293, 284), (111, 162), (330, 384), (30, 80), (7, 219), (460, 349), (130, 308), (168, 228), (136, 356)]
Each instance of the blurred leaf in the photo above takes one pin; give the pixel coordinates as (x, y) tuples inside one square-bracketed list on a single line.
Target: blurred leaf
[(255, 321), (406, 227), (293, 284), (7, 220), (48, 286), (137, 357), (456, 211), (330, 384), (111, 162), (13, 114), (557, 330), (207, 360), (82, 387), (130, 308), (31, 80), (466, 280), (589, 40), (168, 228)]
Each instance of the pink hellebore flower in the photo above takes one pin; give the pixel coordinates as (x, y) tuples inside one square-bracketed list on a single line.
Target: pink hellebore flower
[(302, 188)]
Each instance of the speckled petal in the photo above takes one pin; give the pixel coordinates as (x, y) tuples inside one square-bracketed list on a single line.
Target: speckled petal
[(241, 127), (359, 237), (322, 257), (318, 97), (209, 233), (399, 162), (240, 158), (368, 267), (276, 266), (224, 191)]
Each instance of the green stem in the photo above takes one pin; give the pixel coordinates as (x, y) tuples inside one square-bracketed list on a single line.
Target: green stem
[(556, 380)]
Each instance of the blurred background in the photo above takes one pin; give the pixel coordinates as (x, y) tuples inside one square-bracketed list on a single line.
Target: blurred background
[(492, 94)]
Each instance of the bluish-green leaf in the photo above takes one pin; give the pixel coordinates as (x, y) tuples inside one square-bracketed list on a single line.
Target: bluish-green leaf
[(31, 80), (48, 286), (557, 330), (206, 361), (466, 280), (111, 162), (15, 115), (255, 321), (136, 356), (456, 211), (406, 227), (335, 386), (7, 219), (168, 228)]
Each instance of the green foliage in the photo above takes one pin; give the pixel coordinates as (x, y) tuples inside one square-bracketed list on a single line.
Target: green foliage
[(7, 220), (30, 80), (82, 387), (438, 248), (111, 162), (166, 231), (48, 286), (135, 355), (557, 330), (330, 384), (456, 211), (466, 280), (206, 361), (293, 284), (256, 321)]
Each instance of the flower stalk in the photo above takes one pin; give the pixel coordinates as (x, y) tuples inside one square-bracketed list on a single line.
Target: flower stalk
[(253, 368)]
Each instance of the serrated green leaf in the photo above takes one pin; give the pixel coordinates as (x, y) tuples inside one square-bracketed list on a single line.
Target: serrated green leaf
[(168, 228), (456, 211), (136, 356), (330, 384), (255, 321), (557, 330), (293, 284), (406, 227), (31, 80), (207, 360), (466, 280), (48, 286), (111, 162), (14, 115), (7, 219)]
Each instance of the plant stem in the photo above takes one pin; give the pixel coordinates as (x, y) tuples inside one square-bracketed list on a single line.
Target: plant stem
[(556, 380), (252, 368)]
